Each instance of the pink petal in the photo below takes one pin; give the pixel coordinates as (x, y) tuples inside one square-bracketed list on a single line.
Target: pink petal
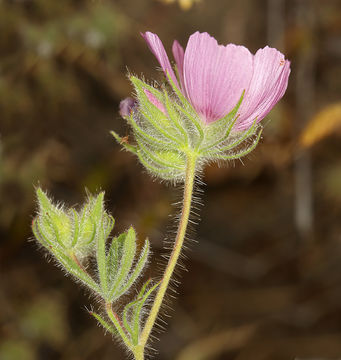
[(215, 75), (178, 53), (155, 101), (268, 85), (156, 47)]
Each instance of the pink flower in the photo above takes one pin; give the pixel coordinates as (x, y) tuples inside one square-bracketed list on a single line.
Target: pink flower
[(213, 77)]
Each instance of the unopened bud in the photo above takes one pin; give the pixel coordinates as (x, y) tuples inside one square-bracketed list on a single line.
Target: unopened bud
[(126, 106)]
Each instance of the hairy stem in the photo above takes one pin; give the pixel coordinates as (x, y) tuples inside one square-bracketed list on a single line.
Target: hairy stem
[(118, 325), (179, 240), (139, 352)]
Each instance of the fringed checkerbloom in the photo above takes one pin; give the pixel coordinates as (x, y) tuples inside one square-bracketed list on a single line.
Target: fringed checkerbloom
[(213, 106)]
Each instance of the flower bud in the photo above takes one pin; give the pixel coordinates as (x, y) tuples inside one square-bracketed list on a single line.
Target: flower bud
[(68, 231), (126, 106)]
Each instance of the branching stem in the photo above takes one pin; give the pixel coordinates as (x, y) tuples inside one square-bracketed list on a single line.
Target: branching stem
[(118, 325)]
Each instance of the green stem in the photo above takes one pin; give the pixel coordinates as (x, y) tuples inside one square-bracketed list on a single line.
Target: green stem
[(139, 352), (179, 240), (118, 325)]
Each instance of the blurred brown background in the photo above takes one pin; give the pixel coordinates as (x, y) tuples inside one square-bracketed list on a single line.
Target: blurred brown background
[(264, 279)]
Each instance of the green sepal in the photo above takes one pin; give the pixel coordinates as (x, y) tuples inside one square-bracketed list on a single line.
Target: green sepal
[(235, 141), (141, 85), (160, 161), (222, 126), (155, 120), (166, 174), (165, 136), (152, 140), (121, 141), (187, 109), (243, 152), (175, 117)]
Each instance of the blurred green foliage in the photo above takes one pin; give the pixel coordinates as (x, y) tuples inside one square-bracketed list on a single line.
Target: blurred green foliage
[(42, 42), (42, 320)]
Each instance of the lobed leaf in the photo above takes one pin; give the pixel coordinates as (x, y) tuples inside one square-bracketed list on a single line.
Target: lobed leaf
[(75, 228), (136, 316), (126, 261), (113, 256), (132, 311), (101, 261), (137, 270), (97, 207)]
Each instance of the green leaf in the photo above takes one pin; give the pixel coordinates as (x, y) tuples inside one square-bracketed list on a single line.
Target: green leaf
[(108, 225), (137, 270), (114, 255), (128, 254), (129, 313), (56, 223), (141, 85), (143, 289), (74, 269), (102, 322), (136, 316), (75, 227), (126, 322), (97, 207), (39, 234), (101, 261), (44, 202)]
